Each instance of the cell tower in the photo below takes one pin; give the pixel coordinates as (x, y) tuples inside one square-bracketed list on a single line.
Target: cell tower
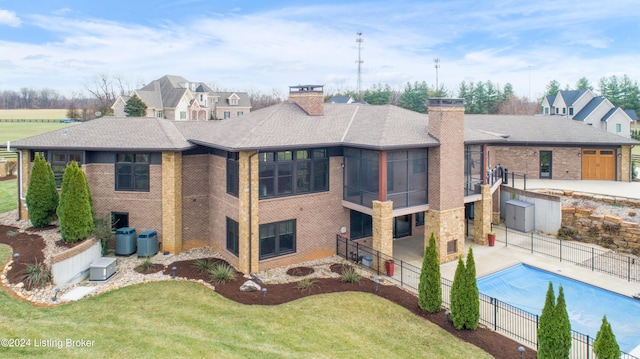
[(436, 61), (359, 40)]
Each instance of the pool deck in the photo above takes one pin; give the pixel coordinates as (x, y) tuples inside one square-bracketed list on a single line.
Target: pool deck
[(492, 259)]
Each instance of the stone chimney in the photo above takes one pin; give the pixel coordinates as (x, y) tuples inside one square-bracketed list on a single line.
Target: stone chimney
[(445, 216), (309, 97)]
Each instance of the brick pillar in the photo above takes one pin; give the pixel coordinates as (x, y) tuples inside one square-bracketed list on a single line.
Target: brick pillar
[(248, 213), (445, 217), (172, 202), (482, 213), (25, 175), (382, 222)]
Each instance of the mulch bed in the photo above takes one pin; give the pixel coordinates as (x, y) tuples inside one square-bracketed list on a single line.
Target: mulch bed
[(300, 271), (155, 268), (30, 247)]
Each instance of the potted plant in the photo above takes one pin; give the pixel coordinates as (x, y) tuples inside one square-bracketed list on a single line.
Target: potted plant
[(492, 238)]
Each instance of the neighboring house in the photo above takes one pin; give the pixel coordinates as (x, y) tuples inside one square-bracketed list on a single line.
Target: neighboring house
[(276, 188), (596, 111), (174, 98)]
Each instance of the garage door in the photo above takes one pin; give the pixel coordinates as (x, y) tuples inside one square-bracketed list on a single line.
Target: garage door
[(598, 165)]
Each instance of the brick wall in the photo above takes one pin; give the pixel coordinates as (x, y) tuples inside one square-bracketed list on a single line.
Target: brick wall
[(319, 217), (565, 164), (195, 201), (221, 206), (311, 102), (144, 208)]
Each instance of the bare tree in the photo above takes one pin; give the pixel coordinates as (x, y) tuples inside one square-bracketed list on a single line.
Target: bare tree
[(260, 100), (518, 106), (106, 89)]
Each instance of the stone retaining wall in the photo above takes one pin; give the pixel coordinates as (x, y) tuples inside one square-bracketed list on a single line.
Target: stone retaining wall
[(581, 224)]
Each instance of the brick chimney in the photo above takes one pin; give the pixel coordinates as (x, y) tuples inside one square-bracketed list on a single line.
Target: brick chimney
[(309, 97)]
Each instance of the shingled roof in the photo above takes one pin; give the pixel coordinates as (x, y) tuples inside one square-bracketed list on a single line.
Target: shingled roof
[(286, 125)]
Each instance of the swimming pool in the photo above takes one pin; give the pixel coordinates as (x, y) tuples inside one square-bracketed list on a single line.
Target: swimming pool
[(525, 287)]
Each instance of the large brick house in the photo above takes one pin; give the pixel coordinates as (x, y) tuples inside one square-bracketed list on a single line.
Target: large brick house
[(276, 187), (175, 98)]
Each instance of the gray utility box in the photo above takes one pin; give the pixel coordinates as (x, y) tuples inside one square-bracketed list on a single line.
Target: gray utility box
[(125, 241), (147, 243), (519, 215), (102, 269)]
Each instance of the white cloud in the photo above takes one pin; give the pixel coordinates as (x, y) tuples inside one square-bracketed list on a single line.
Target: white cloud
[(9, 18)]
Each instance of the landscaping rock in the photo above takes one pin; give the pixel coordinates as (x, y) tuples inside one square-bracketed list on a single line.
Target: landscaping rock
[(250, 286)]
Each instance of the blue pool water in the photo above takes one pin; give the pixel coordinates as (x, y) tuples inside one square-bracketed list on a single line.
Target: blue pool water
[(525, 287)]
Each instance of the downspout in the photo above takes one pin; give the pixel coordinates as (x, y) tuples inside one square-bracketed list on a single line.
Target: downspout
[(20, 194), (250, 213)]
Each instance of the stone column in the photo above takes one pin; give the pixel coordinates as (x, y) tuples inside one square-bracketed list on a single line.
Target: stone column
[(382, 222), (625, 164), (482, 213), (25, 175), (172, 202), (248, 213)]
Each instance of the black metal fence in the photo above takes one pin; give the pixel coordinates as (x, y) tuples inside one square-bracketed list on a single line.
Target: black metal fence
[(501, 317), (597, 260)]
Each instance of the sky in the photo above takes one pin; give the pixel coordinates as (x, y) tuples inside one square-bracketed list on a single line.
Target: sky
[(266, 46)]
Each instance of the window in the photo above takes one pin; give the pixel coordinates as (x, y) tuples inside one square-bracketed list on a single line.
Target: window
[(232, 236), (419, 219), (277, 239), (119, 220), (132, 172), (564, 110), (570, 111), (618, 128), (234, 101), (232, 173), (227, 114), (240, 113), (60, 160), (360, 224), (546, 110), (286, 173), (473, 164), (159, 114), (183, 115)]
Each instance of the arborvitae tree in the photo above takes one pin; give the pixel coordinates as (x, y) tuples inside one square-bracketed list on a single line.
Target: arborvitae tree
[(472, 302), (546, 326), (135, 107), (42, 195), (429, 289), (458, 296), (605, 346), (74, 211), (563, 327)]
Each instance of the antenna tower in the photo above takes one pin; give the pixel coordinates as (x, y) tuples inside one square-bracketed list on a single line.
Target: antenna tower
[(359, 40), (436, 61)]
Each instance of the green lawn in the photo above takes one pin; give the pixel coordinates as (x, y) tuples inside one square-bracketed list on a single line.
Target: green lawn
[(183, 319), (8, 195), (11, 131)]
